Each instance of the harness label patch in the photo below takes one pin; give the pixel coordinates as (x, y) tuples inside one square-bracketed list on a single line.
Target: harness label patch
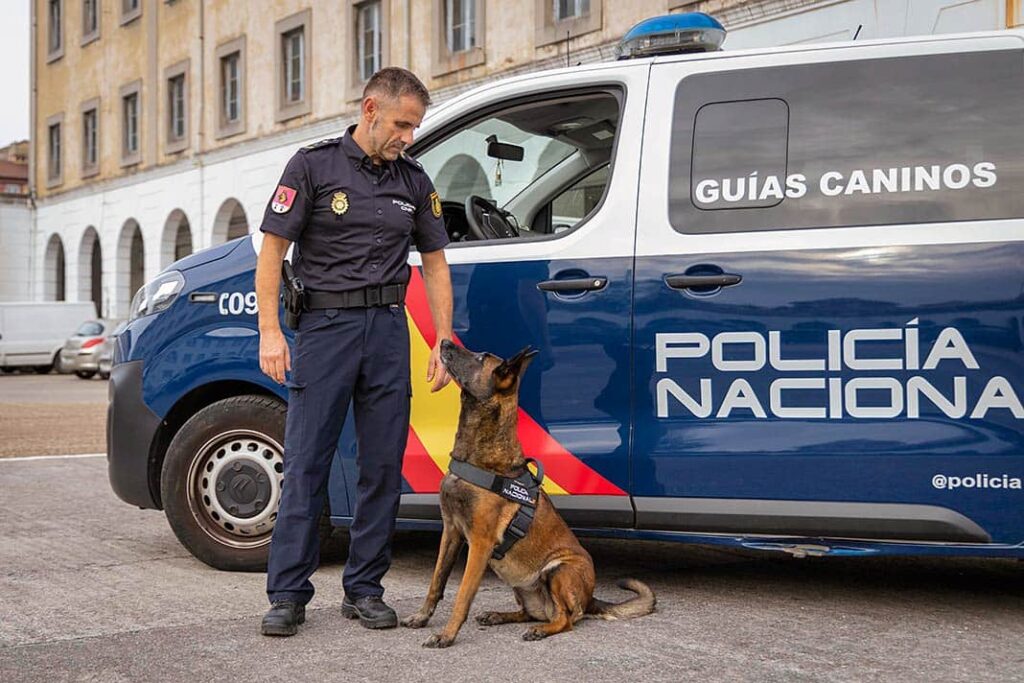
[(515, 490)]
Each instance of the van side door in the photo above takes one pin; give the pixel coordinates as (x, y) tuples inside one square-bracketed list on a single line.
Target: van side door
[(829, 296), (550, 166)]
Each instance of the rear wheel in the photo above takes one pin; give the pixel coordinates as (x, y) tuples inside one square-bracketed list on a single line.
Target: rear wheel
[(43, 369), (221, 482), (85, 374)]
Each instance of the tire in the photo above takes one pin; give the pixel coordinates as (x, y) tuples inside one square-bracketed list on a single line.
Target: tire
[(238, 439), (85, 374), (104, 375), (43, 369), (7, 370)]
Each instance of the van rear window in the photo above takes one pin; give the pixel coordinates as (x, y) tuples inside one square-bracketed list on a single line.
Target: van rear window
[(874, 142)]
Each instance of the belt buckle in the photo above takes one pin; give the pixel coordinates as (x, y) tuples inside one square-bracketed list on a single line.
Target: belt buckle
[(373, 296)]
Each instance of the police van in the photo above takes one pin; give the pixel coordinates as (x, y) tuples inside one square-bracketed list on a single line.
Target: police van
[(778, 297)]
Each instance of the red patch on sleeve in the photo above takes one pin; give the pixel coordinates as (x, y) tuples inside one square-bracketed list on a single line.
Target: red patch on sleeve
[(284, 197)]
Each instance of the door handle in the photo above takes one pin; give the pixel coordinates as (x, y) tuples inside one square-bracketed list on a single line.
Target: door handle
[(702, 281), (579, 284)]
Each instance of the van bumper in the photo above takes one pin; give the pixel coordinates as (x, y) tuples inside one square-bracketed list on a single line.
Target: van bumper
[(131, 428)]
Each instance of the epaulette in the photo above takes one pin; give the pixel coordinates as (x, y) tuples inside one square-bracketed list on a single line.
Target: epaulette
[(409, 160), (321, 143)]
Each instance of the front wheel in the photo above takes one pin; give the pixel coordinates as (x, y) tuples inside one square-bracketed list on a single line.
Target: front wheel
[(85, 374), (221, 484)]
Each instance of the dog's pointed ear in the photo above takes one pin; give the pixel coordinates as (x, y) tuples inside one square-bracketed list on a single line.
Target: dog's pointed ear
[(513, 368)]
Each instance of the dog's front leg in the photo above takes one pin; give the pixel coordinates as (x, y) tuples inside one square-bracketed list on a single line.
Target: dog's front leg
[(451, 544), (476, 565)]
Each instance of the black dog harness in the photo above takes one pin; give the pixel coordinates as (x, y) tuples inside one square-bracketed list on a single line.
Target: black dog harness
[(524, 489)]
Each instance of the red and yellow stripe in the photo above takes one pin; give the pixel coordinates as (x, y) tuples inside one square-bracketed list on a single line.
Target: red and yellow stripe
[(435, 417)]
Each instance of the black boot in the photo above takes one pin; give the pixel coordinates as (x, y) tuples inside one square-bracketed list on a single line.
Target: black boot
[(370, 611), (283, 618)]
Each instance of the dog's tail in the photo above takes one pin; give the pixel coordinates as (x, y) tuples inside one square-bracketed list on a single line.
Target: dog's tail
[(638, 606)]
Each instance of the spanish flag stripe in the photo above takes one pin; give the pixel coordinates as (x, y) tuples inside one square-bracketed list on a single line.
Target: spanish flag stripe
[(433, 417), (564, 473), (418, 468)]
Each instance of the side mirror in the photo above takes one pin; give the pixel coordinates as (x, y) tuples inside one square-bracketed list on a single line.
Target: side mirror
[(503, 150)]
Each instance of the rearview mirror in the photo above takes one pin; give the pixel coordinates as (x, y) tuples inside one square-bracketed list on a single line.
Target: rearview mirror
[(503, 150)]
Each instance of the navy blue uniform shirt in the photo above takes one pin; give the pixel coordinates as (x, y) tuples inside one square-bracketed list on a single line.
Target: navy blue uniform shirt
[(353, 222)]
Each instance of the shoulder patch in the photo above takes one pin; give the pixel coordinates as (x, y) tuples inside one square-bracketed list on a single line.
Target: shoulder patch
[(412, 162), (321, 143)]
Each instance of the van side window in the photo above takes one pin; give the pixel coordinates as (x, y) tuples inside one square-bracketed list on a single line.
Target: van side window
[(916, 139), (499, 175)]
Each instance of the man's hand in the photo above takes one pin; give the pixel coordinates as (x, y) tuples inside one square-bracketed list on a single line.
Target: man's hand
[(436, 372), (275, 359)]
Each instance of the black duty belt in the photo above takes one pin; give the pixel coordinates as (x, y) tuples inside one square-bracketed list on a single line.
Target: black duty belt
[(378, 295), (523, 489)]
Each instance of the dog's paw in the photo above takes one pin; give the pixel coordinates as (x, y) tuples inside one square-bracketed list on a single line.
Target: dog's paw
[(438, 640), (534, 634), (415, 621), (489, 618)]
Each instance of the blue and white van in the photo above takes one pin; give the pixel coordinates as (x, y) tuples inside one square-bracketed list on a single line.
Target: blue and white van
[(778, 296)]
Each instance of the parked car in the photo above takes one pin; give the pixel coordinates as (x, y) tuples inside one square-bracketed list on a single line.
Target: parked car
[(33, 332), (81, 352), (105, 356)]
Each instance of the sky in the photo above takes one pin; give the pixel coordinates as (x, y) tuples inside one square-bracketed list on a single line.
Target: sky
[(14, 55)]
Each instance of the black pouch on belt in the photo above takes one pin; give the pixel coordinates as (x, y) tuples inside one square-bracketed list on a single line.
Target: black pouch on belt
[(293, 295)]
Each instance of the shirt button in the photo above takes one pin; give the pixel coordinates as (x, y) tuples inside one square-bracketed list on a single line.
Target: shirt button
[(380, 211), (379, 240), (373, 267)]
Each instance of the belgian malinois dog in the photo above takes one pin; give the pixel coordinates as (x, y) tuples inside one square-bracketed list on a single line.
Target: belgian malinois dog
[(551, 575)]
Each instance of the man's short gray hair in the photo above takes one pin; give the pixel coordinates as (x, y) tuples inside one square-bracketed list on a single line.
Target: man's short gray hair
[(394, 82)]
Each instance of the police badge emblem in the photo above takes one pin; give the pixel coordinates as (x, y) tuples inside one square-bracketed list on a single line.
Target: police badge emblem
[(339, 204), (435, 204)]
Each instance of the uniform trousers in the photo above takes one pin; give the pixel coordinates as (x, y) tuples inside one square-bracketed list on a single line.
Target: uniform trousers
[(342, 356)]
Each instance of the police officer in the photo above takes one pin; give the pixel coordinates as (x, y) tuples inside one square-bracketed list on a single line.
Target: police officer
[(352, 206)]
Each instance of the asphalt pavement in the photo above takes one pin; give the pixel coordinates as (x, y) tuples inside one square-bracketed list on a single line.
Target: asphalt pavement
[(92, 589)]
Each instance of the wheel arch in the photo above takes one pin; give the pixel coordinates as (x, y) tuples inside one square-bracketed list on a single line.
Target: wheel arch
[(187, 406)]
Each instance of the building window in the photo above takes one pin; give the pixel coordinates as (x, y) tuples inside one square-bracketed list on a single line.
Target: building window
[(460, 24), (55, 30), (459, 42), (131, 110), (229, 66), (292, 44), (559, 19), (131, 124), (130, 10), (293, 98), (90, 21), (571, 9), (231, 87), (368, 41), (177, 106), (53, 170), (90, 138)]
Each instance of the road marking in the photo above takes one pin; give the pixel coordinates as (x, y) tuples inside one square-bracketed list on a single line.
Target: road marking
[(54, 457)]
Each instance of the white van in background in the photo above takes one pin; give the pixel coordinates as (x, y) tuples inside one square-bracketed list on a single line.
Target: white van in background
[(33, 332)]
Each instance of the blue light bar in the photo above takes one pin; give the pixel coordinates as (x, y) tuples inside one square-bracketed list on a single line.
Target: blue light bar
[(671, 34)]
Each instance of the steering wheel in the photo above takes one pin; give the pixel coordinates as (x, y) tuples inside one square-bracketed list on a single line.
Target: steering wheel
[(486, 221)]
